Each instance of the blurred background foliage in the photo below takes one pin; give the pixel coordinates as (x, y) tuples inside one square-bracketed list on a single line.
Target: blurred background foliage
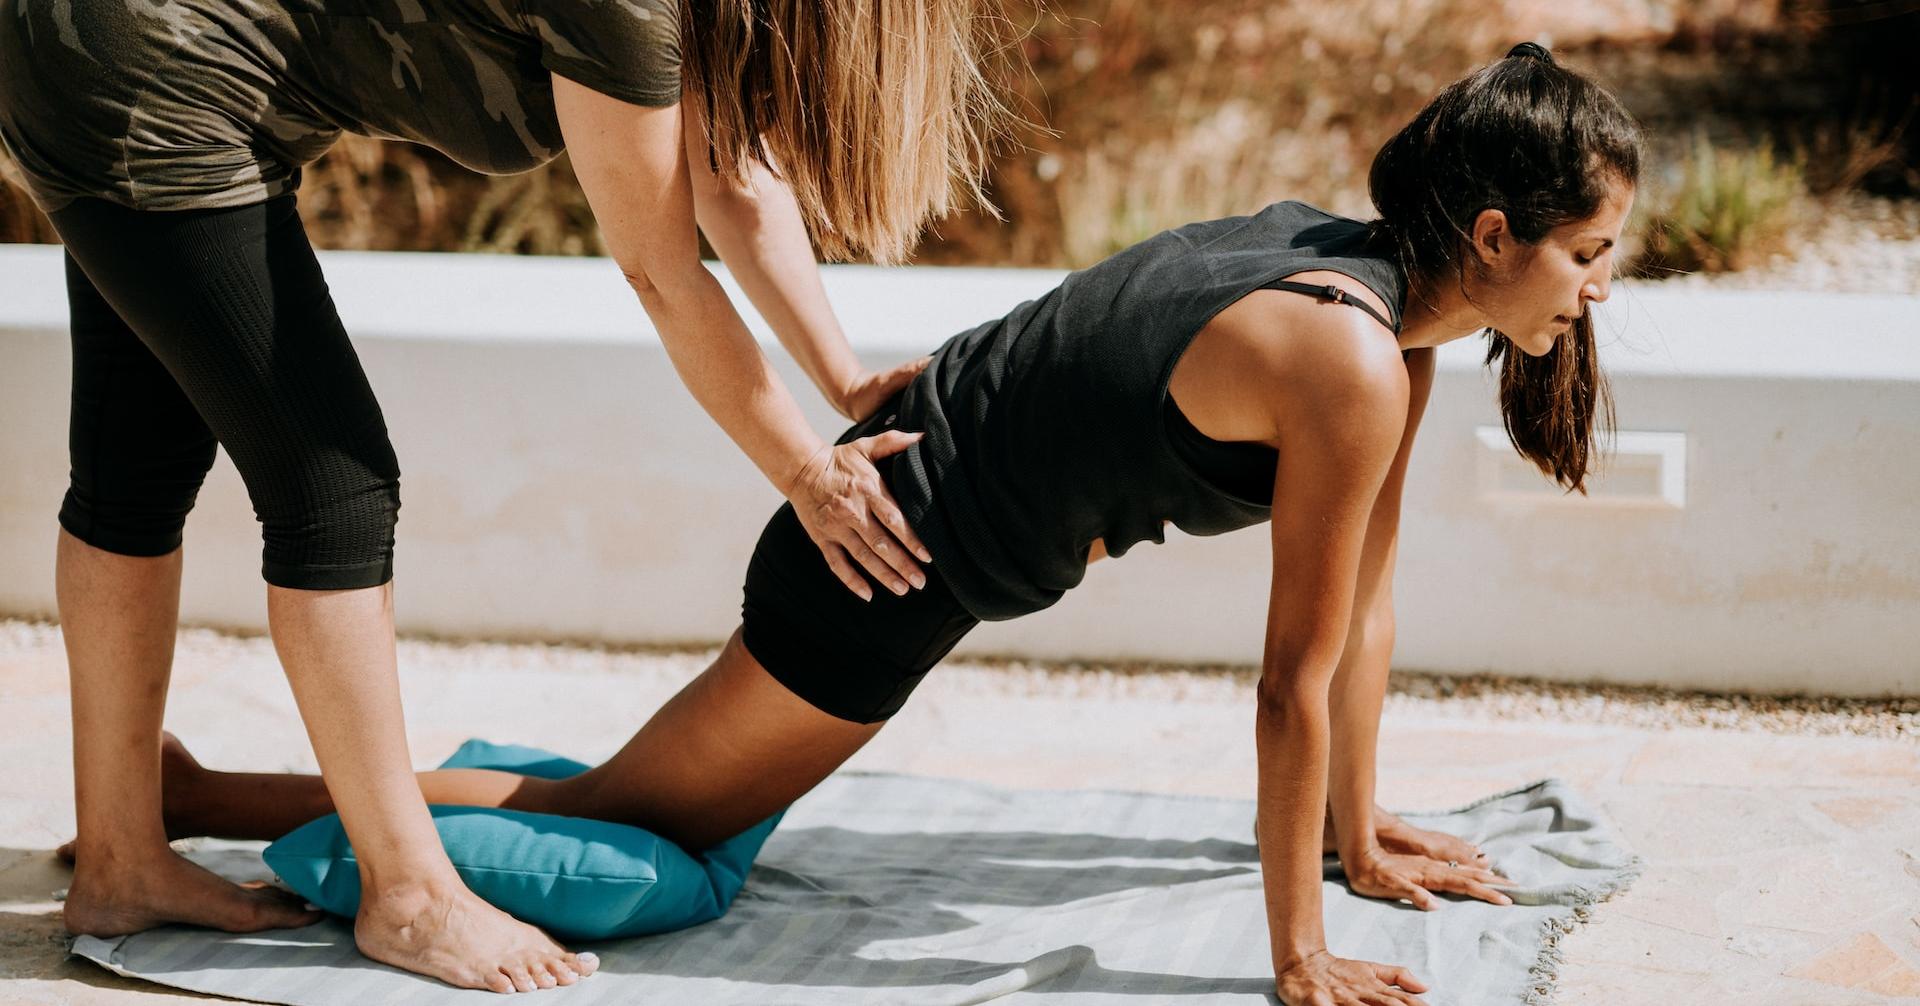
[(1153, 114)]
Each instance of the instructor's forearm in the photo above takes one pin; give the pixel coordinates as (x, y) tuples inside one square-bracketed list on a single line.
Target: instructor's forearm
[(1290, 740), (721, 364), (763, 241), (1354, 703)]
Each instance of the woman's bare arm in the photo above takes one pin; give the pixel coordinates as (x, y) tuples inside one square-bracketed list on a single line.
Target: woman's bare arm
[(1359, 685), (632, 166), (757, 229), (1337, 426)]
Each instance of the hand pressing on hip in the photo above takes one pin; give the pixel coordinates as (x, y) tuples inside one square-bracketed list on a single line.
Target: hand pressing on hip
[(849, 514)]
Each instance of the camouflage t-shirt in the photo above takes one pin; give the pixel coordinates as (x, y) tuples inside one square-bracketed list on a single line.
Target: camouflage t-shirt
[(178, 104)]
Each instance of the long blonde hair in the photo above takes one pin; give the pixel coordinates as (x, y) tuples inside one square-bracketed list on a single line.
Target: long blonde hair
[(881, 114)]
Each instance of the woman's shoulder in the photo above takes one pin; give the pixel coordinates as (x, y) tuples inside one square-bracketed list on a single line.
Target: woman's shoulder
[(1298, 334), (1298, 359)]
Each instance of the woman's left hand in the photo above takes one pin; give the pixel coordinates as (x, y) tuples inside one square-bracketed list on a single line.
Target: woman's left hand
[(848, 512), (1396, 835), (1383, 874), (871, 389)]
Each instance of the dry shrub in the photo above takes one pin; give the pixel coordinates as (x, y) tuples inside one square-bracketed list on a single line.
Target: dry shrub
[(1844, 155), (540, 212), (21, 222), (368, 194), (1167, 113), (1730, 210)]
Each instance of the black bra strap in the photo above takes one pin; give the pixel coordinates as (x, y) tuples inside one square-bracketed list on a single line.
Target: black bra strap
[(1327, 291)]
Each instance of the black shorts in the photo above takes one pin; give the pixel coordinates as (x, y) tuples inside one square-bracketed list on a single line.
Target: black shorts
[(858, 660)]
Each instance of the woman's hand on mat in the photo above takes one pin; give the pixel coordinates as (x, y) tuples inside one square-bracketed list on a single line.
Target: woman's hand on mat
[(1383, 874), (870, 389), (849, 514), (1322, 979), (1396, 835)]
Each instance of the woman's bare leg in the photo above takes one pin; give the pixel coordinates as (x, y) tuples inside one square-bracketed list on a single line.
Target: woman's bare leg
[(337, 647), (728, 750), (118, 617)]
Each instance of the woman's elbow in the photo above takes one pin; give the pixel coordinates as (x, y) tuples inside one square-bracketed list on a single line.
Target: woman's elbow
[(1374, 629), (665, 280), (718, 205)]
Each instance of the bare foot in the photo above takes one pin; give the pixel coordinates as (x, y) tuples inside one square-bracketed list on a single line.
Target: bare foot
[(450, 934), (113, 897), (179, 774)]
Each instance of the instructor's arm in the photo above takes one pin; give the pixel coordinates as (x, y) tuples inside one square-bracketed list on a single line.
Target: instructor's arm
[(756, 227), (632, 168)]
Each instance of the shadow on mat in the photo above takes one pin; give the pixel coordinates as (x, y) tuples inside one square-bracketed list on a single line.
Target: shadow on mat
[(821, 899)]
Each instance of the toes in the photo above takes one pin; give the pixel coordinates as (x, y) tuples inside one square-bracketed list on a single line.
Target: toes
[(281, 917), (522, 982), (498, 982), (584, 963), (542, 978), (277, 908)]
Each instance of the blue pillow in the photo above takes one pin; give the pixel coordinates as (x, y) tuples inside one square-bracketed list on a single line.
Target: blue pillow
[(576, 878)]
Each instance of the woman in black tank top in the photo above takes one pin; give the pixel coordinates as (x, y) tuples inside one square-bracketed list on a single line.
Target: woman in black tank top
[(1186, 380)]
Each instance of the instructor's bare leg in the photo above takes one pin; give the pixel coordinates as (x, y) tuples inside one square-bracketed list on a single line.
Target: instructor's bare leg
[(415, 912), (118, 616)]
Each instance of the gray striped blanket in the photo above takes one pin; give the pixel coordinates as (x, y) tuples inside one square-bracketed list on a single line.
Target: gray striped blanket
[(894, 889)]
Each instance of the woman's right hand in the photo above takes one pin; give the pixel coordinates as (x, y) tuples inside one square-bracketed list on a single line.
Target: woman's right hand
[(849, 514), (1322, 979)]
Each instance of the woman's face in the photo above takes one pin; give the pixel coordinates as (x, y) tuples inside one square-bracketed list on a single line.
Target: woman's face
[(1536, 291)]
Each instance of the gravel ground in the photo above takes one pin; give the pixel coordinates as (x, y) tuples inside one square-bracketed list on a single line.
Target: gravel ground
[(1479, 696), (1853, 244)]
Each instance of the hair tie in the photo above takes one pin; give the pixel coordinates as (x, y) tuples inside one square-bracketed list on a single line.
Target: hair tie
[(1531, 50)]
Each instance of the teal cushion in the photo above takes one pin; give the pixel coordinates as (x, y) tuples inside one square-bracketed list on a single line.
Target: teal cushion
[(574, 877)]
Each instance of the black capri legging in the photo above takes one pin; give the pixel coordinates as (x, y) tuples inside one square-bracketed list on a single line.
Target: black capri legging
[(197, 327)]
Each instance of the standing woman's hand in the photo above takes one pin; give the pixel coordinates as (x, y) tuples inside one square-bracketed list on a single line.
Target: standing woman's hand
[(871, 389), (842, 502), (635, 169)]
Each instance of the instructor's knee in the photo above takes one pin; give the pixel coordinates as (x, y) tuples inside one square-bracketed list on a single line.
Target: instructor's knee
[(136, 502), (339, 534)]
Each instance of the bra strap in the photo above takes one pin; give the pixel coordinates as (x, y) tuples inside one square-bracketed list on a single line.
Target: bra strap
[(1328, 291)]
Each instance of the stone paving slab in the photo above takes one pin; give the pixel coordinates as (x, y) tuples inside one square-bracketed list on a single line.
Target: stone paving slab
[(1784, 870)]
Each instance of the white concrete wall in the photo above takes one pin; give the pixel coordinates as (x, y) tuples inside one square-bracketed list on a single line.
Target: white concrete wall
[(559, 483)]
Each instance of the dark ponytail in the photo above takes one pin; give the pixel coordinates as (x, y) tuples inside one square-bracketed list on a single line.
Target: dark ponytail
[(1540, 143)]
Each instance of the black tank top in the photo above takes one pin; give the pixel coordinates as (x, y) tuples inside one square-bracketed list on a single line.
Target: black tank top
[(1049, 427), (1239, 469)]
